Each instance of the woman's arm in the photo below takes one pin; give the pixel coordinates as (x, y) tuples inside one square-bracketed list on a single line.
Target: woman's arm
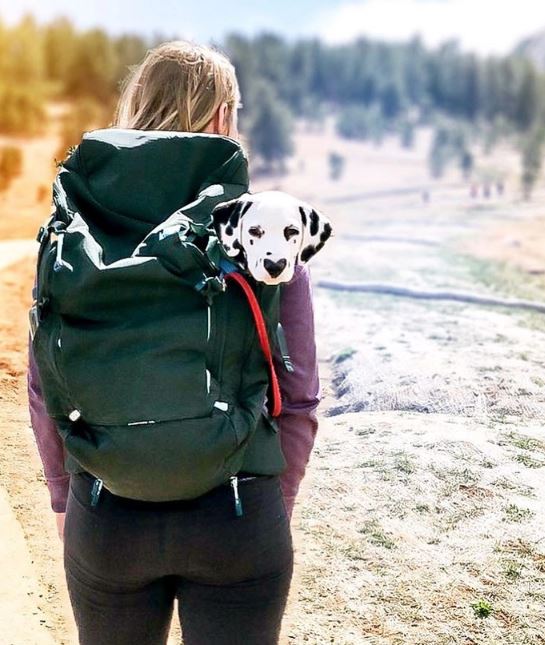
[(300, 389), (48, 440)]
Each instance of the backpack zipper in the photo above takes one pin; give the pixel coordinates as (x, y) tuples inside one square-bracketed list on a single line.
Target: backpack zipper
[(95, 491), (56, 360), (238, 504)]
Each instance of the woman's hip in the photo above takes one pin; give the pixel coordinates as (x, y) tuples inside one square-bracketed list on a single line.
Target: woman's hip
[(202, 539)]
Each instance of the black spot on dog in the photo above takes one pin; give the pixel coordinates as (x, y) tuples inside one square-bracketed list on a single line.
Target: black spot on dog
[(228, 230), (325, 233), (251, 241), (303, 215), (314, 220), (307, 252), (221, 214), (238, 213), (241, 255), (235, 215), (245, 208)]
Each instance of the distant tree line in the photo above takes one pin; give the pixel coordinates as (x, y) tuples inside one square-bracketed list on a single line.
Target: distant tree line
[(372, 87), (392, 79), (377, 88)]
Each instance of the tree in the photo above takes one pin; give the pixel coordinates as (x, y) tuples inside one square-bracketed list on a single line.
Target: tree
[(27, 64), (361, 123), (449, 143), (530, 98), (532, 155), (93, 70), (130, 50), (467, 163), (60, 47), (270, 125)]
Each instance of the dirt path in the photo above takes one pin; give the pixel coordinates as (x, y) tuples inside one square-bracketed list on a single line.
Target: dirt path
[(20, 618), (21, 474), (13, 250)]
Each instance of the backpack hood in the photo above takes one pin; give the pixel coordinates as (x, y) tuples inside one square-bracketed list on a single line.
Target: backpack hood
[(124, 182)]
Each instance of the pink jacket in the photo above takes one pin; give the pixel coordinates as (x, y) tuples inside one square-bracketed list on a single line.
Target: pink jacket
[(300, 389)]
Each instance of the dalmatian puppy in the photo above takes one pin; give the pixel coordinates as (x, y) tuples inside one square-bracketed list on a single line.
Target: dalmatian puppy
[(269, 232)]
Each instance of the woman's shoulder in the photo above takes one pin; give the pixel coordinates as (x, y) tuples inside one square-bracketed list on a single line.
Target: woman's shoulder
[(300, 274), (296, 294)]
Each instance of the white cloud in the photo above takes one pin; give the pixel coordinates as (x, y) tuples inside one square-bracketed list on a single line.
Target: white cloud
[(485, 26)]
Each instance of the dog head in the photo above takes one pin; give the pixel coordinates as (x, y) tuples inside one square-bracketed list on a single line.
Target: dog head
[(268, 233)]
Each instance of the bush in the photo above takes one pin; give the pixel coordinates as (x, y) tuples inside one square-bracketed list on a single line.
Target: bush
[(11, 164), (361, 123), (406, 133), (21, 110), (85, 115), (336, 165)]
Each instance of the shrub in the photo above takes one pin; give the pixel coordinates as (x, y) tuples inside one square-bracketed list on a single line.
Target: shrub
[(21, 110), (11, 164), (85, 115)]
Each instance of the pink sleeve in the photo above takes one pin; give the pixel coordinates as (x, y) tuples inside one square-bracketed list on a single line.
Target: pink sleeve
[(300, 389), (48, 440)]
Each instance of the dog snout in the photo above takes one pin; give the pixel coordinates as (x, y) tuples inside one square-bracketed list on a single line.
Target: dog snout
[(274, 269)]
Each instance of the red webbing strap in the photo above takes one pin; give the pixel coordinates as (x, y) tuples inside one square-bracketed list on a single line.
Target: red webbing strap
[(275, 398)]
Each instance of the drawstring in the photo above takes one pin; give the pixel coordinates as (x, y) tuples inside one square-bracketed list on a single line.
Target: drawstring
[(263, 340)]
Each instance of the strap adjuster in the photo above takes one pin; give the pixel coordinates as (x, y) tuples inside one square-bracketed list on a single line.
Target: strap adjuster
[(42, 234)]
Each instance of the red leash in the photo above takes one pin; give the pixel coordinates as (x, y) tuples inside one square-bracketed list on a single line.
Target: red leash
[(276, 398)]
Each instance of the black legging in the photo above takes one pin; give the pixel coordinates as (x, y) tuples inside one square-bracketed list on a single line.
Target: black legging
[(125, 562)]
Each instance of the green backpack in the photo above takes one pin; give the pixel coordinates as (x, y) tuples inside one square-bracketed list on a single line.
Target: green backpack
[(148, 355)]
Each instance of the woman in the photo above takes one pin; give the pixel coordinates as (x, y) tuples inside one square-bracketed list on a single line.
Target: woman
[(126, 560)]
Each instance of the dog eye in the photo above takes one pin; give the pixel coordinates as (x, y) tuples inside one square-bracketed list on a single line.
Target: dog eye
[(256, 231), (290, 231)]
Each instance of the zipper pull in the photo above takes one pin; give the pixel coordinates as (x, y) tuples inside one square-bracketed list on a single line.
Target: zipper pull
[(283, 346), (238, 503), (95, 491)]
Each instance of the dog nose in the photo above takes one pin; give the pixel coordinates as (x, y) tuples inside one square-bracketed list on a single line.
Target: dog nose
[(274, 269)]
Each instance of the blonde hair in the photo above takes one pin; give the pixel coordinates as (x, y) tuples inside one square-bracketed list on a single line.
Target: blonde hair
[(179, 85)]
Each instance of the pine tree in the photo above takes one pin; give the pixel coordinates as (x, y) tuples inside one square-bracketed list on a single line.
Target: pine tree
[(270, 126)]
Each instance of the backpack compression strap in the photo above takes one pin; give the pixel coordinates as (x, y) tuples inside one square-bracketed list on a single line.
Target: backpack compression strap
[(263, 340)]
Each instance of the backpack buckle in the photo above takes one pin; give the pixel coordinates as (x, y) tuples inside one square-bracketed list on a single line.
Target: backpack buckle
[(33, 320), (210, 286), (43, 233), (52, 225)]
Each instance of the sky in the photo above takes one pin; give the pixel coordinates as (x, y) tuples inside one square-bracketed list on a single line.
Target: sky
[(483, 26)]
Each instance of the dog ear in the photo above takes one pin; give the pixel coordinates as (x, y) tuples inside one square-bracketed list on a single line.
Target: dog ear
[(226, 218), (317, 230)]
